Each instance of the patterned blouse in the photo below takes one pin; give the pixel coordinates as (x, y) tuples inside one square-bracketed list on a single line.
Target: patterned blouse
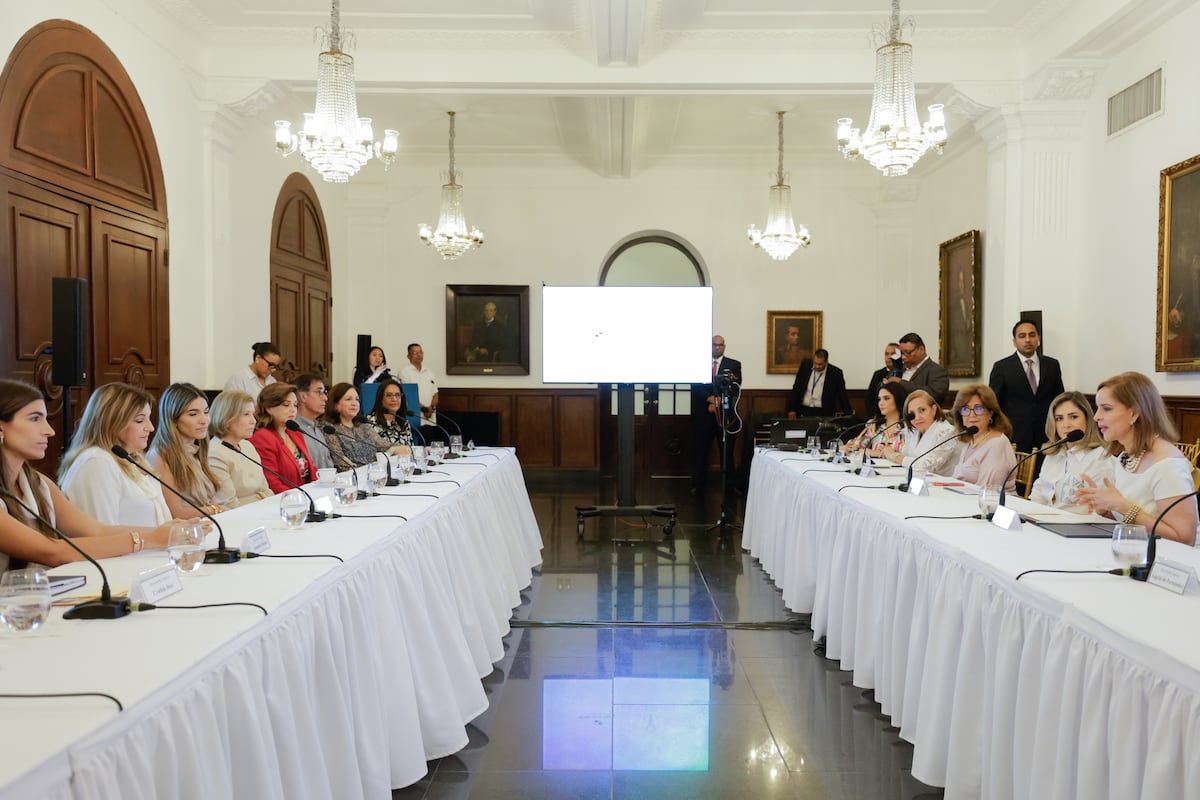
[(355, 445), (395, 432)]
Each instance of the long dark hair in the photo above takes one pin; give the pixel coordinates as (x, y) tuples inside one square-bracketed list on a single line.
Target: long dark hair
[(15, 395), (378, 411)]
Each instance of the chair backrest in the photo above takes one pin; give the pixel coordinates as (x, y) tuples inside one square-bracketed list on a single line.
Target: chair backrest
[(1025, 472), (1196, 478), (1190, 451)]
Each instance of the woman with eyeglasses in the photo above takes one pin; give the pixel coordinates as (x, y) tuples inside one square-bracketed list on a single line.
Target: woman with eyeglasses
[(1064, 468), (390, 415), (261, 372), (354, 442), (988, 455)]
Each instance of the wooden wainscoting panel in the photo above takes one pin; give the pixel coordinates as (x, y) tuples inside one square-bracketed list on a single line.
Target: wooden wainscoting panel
[(575, 426), (535, 429)]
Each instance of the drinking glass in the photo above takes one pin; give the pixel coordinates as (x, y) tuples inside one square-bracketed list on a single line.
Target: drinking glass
[(24, 598), (293, 508), (1129, 544), (439, 451), (406, 467), (455, 444), (376, 477), (185, 547), (856, 459), (814, 445), (989, 500), (418, 457), (344, 490), (920, 469)]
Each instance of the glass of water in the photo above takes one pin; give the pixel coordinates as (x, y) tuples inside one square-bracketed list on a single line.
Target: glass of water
[(185, 547), (344, 490), (1129, 544), (439, 451), (418, 457), (456, 444), (406, 468), (989, 500), (24, 598), (293, 508), (376, 476), (814, 445)]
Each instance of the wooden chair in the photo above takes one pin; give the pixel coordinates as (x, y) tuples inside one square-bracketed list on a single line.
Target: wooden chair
[(1196, 478), (1025, 473), (1190, 451)]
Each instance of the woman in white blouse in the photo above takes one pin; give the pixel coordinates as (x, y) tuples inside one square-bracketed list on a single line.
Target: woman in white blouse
[(926, 429), (238, 481), (1151, 473), (101, 485), (1063, 469)]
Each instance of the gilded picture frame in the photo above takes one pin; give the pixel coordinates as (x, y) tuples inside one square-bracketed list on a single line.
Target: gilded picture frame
[(960, 281), (792, 336), (487, 329), (1177, 322)]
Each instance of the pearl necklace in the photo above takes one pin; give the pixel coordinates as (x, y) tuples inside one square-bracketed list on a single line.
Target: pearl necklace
[(1131, 463)]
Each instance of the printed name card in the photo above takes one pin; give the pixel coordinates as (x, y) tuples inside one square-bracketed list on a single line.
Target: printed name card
[(867, 470), (324, 504), (257, 541), (1006, 518), (1174, 577), (795, 434), (155, 585), (919, 487)]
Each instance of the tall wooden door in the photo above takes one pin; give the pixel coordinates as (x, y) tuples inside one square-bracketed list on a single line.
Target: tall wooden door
[(301, 282), (81, 195)]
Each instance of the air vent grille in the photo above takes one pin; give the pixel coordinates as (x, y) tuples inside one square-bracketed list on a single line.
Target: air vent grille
[(1141, 100)]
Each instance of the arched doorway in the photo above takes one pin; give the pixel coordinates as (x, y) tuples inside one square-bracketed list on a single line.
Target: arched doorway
[(82, 196), (662, 427), (301, 281)]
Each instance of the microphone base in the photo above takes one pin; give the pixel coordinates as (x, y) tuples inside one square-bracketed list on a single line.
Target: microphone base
[(363, 495), (392, 482), (226, 556), (1140, 572), (900, 487), (316, 516), (449, 456), (100, 609)]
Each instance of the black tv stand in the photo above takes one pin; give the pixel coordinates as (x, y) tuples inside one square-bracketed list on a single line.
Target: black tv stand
[(627, 505)]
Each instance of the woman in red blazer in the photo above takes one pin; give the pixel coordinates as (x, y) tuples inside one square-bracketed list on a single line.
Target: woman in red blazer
[(281, 450)]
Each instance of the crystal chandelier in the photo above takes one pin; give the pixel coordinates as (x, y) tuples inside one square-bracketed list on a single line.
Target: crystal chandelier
[(780, 238), (452, 238), (895, 138), (335, 141)]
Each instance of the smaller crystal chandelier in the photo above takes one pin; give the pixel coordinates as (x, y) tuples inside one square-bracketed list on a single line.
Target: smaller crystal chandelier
[(780, 238), (452, 238), (335, 141), (895, 138)]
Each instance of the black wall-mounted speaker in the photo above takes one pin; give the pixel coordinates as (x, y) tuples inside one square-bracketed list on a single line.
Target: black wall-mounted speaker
[(69, 330)]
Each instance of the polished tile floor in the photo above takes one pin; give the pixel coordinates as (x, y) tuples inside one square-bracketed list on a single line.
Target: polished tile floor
[(625, 677)]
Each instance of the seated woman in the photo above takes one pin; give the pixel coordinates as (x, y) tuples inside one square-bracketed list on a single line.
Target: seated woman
[(24, 437), (1152, 473), (353, 442), (927, 428), (105, 487), (179, 452), (280, 449), (988, 456), (390, 415), (1063, 468), (239, 481), (885, 434), (375, 370)]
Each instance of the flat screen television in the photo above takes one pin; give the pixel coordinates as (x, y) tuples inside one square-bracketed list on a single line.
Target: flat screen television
[(626, 334)]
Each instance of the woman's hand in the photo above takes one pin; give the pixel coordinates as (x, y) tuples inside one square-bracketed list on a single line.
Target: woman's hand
[(1102, 499), (398, 450)]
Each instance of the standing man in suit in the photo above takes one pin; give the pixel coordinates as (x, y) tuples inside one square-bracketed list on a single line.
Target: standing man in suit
[(892, 367), (819, 389), (1025, 383), (708, 417), (921, 371)]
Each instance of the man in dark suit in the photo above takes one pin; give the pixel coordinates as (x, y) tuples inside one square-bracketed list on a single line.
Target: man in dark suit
[(819, 389), (892, 367), (921, 371), (1025, 383), (708, 416)]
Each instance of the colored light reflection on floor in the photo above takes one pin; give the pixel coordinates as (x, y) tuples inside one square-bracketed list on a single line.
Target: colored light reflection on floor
[(625, 723)]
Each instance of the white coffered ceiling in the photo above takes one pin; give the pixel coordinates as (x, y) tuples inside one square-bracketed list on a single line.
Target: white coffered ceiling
[(618, 84)]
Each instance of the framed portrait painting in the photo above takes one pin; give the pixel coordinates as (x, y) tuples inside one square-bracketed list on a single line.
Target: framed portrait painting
[(487, 330), (792, 336), (960, 284), (1177, 329)]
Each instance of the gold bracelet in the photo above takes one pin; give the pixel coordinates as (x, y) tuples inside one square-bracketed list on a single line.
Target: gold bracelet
[(137, 541), (1134, 510)]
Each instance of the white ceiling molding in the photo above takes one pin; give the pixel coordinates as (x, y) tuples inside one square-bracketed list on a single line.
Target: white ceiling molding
[(617, 31)]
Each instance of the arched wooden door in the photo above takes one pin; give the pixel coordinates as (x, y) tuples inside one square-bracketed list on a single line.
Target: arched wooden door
[(301, 282), (82, 195)]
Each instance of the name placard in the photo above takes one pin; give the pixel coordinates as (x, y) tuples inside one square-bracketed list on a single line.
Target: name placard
[(919, 487), (1007, 519), (155, 585), (1174, 577), (257, 541), (323, 504)]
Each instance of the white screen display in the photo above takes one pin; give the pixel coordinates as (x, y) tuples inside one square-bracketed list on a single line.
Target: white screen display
[(626, 334)]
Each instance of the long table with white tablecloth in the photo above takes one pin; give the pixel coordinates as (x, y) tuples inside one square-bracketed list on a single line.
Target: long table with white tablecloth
[(1056, 686), (361, 671)]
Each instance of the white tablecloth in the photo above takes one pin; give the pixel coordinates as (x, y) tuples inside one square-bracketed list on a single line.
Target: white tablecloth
[(1057, 686), (360, 672)]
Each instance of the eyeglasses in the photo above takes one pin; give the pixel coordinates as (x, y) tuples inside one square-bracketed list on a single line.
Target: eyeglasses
[(272, 365), (392, 396), (978, 411), (322, 390)]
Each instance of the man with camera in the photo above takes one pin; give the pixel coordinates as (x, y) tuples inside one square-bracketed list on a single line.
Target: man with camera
[(712, 411)]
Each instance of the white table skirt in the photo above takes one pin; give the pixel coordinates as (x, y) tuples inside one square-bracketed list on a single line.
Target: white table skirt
[(361, 672), (1057, 686)]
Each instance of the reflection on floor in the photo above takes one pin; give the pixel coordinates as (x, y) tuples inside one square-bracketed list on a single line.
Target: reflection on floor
[(621, 698)]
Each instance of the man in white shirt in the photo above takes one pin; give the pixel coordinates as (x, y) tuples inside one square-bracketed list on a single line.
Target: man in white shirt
[(312, 394), (260, 374), (427, 392)]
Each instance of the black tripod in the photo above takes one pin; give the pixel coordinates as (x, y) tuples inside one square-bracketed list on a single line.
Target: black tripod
[(724, 526)]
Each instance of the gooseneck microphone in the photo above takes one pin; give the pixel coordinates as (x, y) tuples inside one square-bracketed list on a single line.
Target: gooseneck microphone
[(223, 554), (313, 514), (1142, 571), (1073, 436), (875, 436), (105, 607), (969, 431)]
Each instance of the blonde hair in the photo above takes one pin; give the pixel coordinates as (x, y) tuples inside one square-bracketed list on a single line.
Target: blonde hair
[(271, 397), (1091, 433), (189, 471), (110, 408), (939, 413), (1135, 391), (226, 408), (987, 397), (14, 396)]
